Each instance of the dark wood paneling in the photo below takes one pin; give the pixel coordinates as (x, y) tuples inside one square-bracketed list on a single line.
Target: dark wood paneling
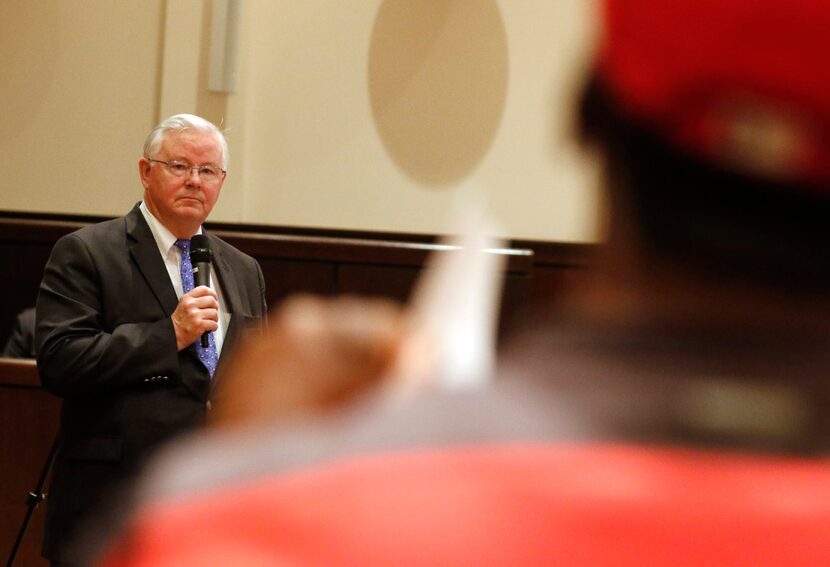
[(514, 301), (287, 277), (28, 424), (392, 282)]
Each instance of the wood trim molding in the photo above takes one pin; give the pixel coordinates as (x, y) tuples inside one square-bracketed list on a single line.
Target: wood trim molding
[(18, 372), (295, 242)]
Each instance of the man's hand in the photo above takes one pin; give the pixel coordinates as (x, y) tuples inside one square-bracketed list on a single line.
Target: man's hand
[(197, 312)]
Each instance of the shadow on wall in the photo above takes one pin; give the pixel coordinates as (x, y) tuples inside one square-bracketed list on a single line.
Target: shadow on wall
[(438, 82)]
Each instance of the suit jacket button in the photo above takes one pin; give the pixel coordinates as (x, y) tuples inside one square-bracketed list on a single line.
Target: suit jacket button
[(208, 405)]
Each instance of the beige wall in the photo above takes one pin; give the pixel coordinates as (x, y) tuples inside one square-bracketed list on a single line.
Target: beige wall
[(78, 92), (362, 115)]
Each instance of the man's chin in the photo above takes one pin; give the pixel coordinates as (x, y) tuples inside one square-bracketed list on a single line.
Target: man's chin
[(192, 211)]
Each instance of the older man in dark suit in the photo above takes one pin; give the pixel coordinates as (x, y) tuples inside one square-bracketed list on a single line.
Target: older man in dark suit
[(119, 323)]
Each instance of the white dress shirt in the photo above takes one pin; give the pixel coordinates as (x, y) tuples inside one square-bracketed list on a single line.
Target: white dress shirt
[(170, 253)]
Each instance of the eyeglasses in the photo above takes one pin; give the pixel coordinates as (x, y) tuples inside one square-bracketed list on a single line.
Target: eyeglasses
[(208, 173)]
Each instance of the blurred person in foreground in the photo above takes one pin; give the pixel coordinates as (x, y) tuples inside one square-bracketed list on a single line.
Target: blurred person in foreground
[(118, 327), (675, 414)]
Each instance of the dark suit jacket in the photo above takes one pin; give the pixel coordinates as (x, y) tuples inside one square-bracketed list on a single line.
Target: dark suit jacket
[(21, 343), (107, 346)]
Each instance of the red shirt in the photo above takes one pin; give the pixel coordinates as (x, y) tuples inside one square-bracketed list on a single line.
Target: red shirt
[(502, 504)]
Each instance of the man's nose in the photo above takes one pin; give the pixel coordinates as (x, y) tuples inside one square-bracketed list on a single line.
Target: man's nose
[(193, 177)]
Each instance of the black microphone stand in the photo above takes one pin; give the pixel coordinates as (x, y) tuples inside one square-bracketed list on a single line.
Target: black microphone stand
[(34, 498)]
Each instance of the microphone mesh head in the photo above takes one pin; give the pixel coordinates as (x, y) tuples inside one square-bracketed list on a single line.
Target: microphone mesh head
[(199, 249)]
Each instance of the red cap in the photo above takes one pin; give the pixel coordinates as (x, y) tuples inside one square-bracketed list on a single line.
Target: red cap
[(745, 83)]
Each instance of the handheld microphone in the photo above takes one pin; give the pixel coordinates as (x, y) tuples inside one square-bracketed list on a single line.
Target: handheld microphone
[(200, 258)]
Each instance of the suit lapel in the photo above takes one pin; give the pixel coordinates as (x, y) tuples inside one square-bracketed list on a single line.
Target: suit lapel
[(230, 290), (145, 253)]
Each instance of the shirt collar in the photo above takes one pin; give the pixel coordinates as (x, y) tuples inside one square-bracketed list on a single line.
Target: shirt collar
[(165, 239)]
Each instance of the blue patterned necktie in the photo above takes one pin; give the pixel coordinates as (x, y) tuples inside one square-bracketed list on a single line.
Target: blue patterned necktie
[(207, 355)]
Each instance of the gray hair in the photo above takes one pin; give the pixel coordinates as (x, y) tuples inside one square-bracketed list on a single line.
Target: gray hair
[(178, 123)]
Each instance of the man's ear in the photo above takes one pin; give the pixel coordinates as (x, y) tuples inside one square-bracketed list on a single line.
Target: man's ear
[(144, 166)]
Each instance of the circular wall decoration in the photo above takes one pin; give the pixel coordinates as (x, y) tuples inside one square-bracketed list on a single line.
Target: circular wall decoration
[(438, 72)]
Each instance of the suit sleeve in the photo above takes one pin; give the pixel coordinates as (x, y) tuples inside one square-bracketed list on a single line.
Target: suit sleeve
[(263, 303), (78, 353), (21, 343)]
